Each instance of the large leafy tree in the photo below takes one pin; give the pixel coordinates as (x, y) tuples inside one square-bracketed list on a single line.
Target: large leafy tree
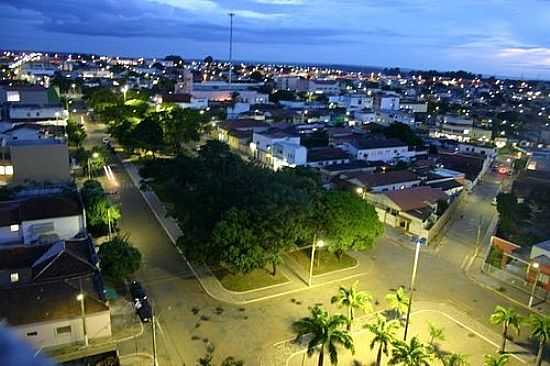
[(326, 333), (118, 258), (454, 359), (413, 353), (540, 330), (383, 332), (353, 299), (507, 318), (148, 135), (75, 132), (182, 126), (348, 222)]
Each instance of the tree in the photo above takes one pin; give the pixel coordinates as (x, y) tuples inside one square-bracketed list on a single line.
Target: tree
[(238, 243), (182, 126), (326, 334), (398, 301), (348, 222), (148, 135), (507, 317), (413, 353), (118, 258), (500, 359), (353, 300), (384, 332), (436, 334), (404, 133), (75, 132), (540, 330), (455, 359)]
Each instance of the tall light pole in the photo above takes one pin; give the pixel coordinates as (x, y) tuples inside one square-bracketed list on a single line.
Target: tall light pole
[(411, 288), (535, 265), (231, 15), (316, 244), (80, 297), (154, 335)]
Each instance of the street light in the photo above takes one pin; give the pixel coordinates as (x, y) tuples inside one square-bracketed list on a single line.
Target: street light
[(411, 288), (535, 265), (95, 155), (316, 244), (80, 297)]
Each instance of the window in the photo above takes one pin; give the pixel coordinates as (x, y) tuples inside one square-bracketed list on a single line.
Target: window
[(14, 277), (63, 330), (32, 334), (14, 227)]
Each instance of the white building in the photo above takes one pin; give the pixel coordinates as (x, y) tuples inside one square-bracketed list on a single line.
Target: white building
[(262, 143), (388, 102), (288, 154), (386, 150), (45, 114), (41, 218), (352, 102), (289, 82), (323, 86), (414, 106)]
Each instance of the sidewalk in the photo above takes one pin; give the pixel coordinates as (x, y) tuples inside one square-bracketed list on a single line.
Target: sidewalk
[(210, 283)]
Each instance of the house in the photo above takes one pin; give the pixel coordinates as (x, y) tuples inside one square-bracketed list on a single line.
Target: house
[(473, 167), (24, 94), (378, 149), (34, 219), (184, 101), (323, 156), (49, 291), (290, 82), (540, 254), (382, 181), (413, 105), (323, 86), (288, 154), (352, 102), (460, 129), (262, 144), (237, 133), (413, 210), (386, 102), (41, 160)]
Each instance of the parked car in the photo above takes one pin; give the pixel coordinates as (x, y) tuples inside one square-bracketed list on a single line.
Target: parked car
[(143, 310), (137, 291), (416, 238)]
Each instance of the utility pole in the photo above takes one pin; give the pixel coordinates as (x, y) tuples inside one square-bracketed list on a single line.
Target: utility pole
[(81, 298), (231, 15), (154, 336), (413, 278)]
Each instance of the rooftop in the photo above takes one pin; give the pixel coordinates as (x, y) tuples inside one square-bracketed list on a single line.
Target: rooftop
[(326, 153), (416, 197), (371, 180)]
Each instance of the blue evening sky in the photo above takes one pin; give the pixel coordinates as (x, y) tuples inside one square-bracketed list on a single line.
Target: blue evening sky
[(502, 37)]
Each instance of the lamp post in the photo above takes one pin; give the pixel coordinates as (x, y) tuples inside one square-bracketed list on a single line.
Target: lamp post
[(109, 221), (411, 290), (80, 297), (316, 244), (535, 265), (95, 155)]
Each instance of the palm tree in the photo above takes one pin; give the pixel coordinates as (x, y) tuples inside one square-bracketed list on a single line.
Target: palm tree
[(455, 359), (540, 330), (326, 333), (398, 301), (507, 317), (413, 353), (384, 332), (353, 299), (500, 359)]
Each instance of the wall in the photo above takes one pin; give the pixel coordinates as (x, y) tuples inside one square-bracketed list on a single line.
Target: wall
[(443, 219), (8, 236), (98, 326), (40, 162), (65, 227)]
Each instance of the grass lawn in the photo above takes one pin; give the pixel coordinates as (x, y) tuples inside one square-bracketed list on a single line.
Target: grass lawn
[(324, 261), (254, 280)]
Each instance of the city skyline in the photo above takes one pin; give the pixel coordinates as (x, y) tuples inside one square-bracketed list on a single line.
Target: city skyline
[(483, 38)]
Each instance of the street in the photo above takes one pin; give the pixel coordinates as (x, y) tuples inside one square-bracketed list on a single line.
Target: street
[(189, 319)]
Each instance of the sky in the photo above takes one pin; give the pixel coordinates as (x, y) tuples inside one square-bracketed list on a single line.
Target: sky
[(495, 37)]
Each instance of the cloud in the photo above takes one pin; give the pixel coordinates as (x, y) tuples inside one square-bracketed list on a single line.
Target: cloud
[(538, 57), (280, 2)]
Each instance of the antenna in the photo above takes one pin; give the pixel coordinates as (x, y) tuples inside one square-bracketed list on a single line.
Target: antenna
[(231, 15)]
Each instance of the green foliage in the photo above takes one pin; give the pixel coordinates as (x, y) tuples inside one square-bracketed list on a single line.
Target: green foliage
[(540, 331), (499, 359), (507, 318), (348, 222), (75, 132), (404, 133), (383, 332), (398, 301), (413, 353), (148, 135), (327, 334), (353, 299), (100, 211), (118, 258)]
